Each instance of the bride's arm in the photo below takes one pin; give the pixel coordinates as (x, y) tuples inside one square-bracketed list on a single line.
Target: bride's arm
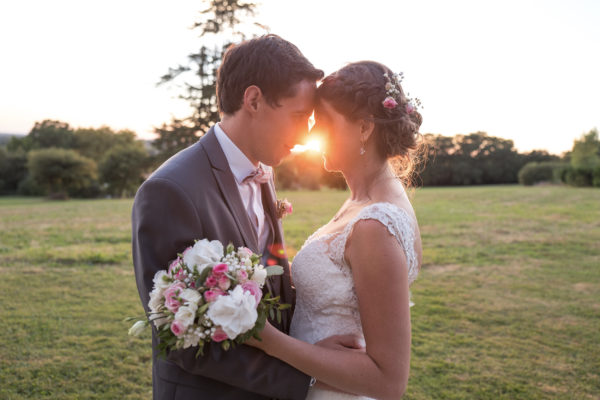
[(380, 275)]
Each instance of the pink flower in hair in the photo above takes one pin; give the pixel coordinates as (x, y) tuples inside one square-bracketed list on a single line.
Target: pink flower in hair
[(390, 102)]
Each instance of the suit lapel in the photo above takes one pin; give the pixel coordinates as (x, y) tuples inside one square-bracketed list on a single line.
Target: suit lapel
[(229, 190)]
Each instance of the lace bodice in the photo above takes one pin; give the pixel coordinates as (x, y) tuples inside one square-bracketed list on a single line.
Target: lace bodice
[(326, 302)]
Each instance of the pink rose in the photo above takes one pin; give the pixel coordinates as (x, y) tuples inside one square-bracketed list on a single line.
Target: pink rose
[(224, 282), (219, 335), (254, 290), (174, 264), (389, 102), (212, 295), (410, 108), (242, 276), (171, 294), (220, 269), (180, 275), (211, 281), (177, 328)]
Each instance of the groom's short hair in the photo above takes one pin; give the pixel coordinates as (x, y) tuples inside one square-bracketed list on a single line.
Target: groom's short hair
[(269, 62)]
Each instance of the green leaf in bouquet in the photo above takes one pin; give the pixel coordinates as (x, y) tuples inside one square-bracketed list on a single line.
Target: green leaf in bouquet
[(271, 313), (229, 249), (278, 317), (274, 270), (225, 345), (261, 320), (285, 306), (255, 258), (203, 275), (202, 309)]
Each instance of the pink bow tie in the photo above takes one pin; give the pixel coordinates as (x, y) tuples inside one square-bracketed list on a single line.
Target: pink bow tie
[(259, 175)]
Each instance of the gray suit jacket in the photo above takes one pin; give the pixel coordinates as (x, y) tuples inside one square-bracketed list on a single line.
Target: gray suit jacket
[(193, 195)]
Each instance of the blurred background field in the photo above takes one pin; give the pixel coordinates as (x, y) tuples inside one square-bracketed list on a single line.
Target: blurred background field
[(507, 302)]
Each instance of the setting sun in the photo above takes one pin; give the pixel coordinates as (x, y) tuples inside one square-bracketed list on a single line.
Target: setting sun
[(312, 144)]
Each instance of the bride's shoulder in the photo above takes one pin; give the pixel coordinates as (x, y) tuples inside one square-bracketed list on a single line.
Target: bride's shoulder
[(386, 210)]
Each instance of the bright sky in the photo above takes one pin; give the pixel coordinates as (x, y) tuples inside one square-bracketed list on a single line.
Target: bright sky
[(523, 70)]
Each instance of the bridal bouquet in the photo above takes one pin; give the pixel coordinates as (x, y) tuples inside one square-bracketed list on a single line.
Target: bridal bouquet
[(210, 293)]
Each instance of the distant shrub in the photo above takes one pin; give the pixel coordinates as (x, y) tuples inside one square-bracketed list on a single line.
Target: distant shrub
[(61, 172), (537, 172), (578, 176), (29, 187), (122, 169), (13, 169), (596, 177)]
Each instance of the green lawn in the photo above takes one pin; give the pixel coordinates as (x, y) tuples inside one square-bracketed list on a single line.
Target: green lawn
[(507, 303)]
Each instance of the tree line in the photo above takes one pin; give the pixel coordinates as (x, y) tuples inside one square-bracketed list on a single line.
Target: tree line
[(58, 161)]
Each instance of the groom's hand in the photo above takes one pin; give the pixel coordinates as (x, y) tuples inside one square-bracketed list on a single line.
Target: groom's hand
[(342, 342)]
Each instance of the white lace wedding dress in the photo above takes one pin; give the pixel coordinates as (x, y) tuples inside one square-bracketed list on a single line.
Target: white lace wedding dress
[(326, 302)]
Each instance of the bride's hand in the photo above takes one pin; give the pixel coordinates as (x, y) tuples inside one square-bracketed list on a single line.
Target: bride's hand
[(342, 342)]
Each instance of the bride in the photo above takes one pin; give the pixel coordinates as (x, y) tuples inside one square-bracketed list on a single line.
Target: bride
[(352, 276)]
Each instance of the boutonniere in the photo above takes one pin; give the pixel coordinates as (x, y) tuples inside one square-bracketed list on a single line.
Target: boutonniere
[(283, 208)]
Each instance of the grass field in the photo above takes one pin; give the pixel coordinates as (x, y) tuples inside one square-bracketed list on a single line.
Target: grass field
[(507, 303)]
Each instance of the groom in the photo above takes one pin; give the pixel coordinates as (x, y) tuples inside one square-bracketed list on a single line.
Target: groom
[(221, 188)]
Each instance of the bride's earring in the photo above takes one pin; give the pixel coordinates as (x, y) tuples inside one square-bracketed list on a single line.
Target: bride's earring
[(362, 148)]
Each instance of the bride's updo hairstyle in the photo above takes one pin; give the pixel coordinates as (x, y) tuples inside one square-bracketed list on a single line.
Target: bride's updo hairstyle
[(359, 91)]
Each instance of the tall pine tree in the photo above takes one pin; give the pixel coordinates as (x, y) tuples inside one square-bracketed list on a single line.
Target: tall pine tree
[(222, 23)]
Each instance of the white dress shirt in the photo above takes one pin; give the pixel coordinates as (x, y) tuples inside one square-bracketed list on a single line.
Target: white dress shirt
[(250, 191)]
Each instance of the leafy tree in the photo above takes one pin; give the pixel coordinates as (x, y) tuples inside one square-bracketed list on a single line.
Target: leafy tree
[(220, 24), (61, 172), (474, 159), (45, 134), (586, 151), (94, 143), (13, 169), (122, 169)]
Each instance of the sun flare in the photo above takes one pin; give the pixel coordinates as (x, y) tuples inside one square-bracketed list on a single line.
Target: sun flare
[(312, 144)]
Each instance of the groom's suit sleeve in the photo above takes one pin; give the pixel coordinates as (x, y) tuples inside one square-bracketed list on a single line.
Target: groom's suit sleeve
[(165, 222)]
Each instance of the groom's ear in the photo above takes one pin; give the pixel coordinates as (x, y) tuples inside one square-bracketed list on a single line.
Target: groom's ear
[(252, 97)]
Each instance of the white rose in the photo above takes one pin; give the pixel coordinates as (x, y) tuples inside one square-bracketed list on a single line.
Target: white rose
[(203, 253), (186, 315), (137, 328), (156, 299), (259, 275), (159, 282), (235, 313), (190, 296)]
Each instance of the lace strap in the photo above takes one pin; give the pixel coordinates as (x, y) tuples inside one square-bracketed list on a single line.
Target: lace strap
[(398, 222)]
